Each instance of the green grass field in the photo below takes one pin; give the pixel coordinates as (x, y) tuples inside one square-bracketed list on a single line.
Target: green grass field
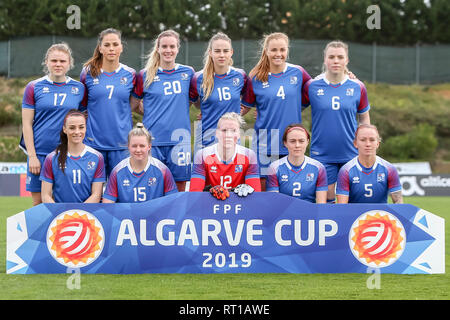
[(224, 286)]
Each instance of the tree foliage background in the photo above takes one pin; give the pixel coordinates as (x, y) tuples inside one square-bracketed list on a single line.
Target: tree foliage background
[(403, 22)]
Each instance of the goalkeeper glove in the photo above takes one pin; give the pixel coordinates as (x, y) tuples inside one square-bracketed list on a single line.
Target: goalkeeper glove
[(219, 192), (243, 190)]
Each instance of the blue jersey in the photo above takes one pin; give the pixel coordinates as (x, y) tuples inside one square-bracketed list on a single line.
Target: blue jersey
[(333, 116), (225, 97), (125, 185), (279, 103), (50, 101), (301, 182), (368, 185), (107, 99), (166, 104), (74, 185)]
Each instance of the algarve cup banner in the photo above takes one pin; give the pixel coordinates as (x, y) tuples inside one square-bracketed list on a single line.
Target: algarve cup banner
[(195, 233)]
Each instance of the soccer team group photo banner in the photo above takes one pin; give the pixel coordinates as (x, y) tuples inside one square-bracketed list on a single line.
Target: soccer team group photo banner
[(195, 233)]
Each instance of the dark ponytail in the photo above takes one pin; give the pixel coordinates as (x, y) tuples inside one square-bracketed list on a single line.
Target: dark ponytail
[(62, 148)]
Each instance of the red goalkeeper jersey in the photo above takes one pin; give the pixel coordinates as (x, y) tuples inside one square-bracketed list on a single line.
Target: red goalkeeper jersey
[(209, 169)]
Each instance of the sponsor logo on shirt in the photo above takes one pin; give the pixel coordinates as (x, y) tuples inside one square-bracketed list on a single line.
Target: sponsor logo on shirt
[(355, 180), (95, 81), (214, 169), (45, 90), (320, 92), (265, 84), (284, 177), (126, 183)]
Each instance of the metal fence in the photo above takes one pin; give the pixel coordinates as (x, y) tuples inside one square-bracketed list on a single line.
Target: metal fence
[(420, 64)]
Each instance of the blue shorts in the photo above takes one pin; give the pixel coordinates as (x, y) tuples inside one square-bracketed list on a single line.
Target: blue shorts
[(177, 158), (112, 158), (332, 170), (33, 184)]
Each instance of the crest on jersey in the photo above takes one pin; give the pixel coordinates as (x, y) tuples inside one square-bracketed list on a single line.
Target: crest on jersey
[(381, 177), (293, 80), (91, 165), (236, 82), (238, 168), (75, 90), (184, 76), (151, 181), (123, 80), (377, 238), (350, 92), (310, 177)]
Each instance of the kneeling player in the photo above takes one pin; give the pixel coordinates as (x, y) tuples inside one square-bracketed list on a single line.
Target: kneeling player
[(367, 178), (298, 175), (226, 165), (139, 177), (74, 172)]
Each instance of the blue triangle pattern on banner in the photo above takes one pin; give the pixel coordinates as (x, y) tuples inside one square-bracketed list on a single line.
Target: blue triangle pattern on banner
[(423, 221)]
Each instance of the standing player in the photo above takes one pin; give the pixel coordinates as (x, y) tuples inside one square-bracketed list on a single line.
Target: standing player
[(74, 172), (338, 104), (277, 95), (164, 87), (226, 164), (45, 103), (107, 98), (296, 174), (139, 177), (368, 178), (217, 89)]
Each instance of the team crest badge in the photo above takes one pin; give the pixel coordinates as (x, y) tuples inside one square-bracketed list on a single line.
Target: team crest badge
[(377, 239), (236, 82), (238, 168), (184, 76), (123, 80), (350, 92), (293, 80), (381, 177), (310, 177), (151, 181), (75, 90), (75, 238), (91, 165)]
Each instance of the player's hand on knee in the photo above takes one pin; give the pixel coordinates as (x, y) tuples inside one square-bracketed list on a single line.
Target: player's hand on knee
[(243, 190), (219, 192)]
